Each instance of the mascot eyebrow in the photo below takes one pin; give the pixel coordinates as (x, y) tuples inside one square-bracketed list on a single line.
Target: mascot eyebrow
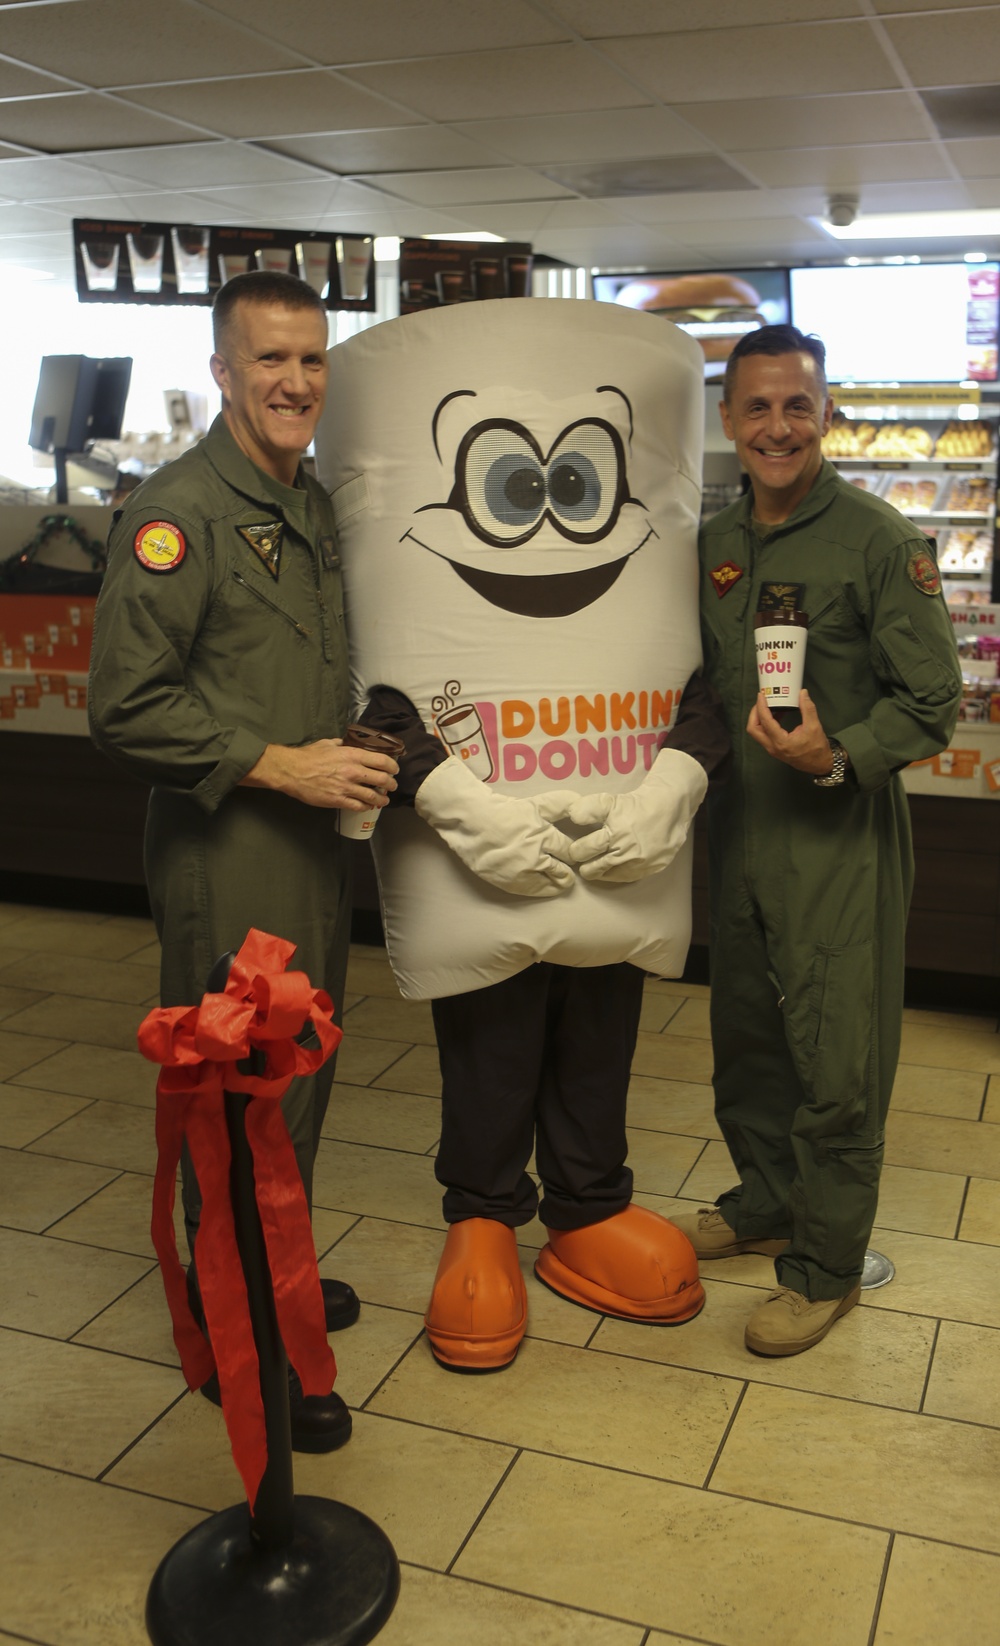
[(457, 394)]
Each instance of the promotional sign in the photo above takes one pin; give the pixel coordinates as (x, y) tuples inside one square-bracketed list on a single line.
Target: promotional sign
[(517, 487), (187, 263)]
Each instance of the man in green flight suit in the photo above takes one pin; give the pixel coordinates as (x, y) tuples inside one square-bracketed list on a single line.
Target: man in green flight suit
[(811, 864), (219, 676)]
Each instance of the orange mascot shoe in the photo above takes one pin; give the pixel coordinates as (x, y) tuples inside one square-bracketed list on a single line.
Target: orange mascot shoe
[(635, 1265), (479, 1308)]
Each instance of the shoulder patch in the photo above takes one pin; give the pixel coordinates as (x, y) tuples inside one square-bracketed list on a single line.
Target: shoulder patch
[(922, 572), (159, 546), (725, 576)]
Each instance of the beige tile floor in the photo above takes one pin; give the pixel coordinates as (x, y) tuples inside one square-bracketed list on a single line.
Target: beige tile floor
[(619, 1485)]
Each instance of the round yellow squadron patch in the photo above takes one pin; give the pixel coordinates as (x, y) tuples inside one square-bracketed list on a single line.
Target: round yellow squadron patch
[(159, 546)]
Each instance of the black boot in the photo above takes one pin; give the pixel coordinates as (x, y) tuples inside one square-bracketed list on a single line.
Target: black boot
[(320, 1423), (340, 1304)]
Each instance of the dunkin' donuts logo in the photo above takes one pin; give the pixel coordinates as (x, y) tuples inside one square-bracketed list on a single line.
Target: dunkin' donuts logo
[(559, 738)]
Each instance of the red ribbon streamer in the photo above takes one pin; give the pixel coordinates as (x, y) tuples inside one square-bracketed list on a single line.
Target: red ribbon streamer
[(262, 1008)]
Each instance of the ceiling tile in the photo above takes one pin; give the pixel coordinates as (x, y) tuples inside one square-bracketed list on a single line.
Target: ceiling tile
[(110, 43), (371, 151), (44, 179), (197, 165), (790, 122), (458, 188), (273, 105), (984, 191), (666, 174), (845, 167), (968, 111), (21, 219), (766, 234), (951, 49), (585, 214), (712, 65), (534, 80), (295, 204), (614, 247), (344, 31), (83, 120), (516, 221), (903, 196), (697, 208), (596, 20), (17, 80), (612, 134), (976, 156)]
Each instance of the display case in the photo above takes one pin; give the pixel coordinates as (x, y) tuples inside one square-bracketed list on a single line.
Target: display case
[(931, 451)]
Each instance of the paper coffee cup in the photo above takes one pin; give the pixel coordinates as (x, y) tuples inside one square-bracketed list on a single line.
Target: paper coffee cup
[(780, 639), (274, 259), (461, 728), (361, 825), (314, 262)]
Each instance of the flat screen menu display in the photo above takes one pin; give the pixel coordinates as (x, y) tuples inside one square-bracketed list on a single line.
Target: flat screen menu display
[(904, 322), (716, 307)]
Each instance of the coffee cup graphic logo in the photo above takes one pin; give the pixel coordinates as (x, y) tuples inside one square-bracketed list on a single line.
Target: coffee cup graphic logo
[(460, 727)]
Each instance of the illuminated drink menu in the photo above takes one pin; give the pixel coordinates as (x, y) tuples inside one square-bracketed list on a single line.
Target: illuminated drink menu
[(903, 322)]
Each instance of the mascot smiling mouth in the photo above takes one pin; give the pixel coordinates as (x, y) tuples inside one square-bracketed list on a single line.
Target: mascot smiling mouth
[(556, 595)]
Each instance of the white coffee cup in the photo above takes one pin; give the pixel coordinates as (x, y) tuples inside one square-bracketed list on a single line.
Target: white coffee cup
[(780, 640), (360, 825), (354, 261)]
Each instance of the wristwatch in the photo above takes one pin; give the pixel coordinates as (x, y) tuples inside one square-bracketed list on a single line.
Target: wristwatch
[(835, 776)]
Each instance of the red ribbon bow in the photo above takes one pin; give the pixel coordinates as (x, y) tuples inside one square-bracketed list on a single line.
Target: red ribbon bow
[(262, 1007)]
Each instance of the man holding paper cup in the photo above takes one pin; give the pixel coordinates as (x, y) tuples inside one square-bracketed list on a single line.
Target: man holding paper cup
[(219, 676), (826, 633)]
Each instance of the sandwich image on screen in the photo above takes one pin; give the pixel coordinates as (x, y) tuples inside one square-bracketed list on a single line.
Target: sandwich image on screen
[(716, 308)]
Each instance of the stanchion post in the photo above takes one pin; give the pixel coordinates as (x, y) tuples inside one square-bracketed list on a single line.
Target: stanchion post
[(302, 1569)]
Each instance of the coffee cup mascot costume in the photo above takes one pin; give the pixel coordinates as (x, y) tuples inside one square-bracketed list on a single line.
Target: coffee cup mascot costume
[(516, 487)]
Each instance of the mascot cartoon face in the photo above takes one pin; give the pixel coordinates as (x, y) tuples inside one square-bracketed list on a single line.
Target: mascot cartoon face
[(511, 491)]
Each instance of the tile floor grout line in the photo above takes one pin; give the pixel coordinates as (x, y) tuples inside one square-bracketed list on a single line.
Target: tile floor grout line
[(985, 1097), (930, 1367), (737, 1407), (961, 1210), (877, 1609), (87, 1102), (119, 1172), (136, 1439), (405, 1353), (477, 1522), (694, 1167), (151, 1264)]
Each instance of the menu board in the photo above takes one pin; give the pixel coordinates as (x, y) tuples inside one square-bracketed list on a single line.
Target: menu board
[(903, 322)]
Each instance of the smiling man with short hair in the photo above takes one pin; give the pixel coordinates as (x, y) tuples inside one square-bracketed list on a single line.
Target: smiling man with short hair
[(219, 676), (811, 865)]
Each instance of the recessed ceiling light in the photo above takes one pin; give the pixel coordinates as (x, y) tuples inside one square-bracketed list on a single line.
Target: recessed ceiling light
[(474, 234), (976, 257)]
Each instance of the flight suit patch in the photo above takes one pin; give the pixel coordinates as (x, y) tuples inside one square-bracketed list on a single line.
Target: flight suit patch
[(923, 573), (328, 549), (725, 577), (781, 597), (265, 540), (159, 546)]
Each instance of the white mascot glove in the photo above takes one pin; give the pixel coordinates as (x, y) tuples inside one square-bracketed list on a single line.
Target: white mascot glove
[(504, 839), (643, 829)]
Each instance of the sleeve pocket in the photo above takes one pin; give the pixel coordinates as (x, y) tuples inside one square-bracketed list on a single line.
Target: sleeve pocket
[(909, 662)]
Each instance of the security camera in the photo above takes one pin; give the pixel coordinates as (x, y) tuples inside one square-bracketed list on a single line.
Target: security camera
[(841, 210)]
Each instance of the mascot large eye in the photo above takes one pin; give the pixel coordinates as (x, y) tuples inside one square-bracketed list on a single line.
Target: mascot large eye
[(504, 484), (585, 475)]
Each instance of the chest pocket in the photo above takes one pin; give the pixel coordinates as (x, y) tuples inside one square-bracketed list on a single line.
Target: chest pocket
[(252, 596)]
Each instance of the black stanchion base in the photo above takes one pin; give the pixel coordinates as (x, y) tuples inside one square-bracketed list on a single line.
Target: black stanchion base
[(333, 1585)]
